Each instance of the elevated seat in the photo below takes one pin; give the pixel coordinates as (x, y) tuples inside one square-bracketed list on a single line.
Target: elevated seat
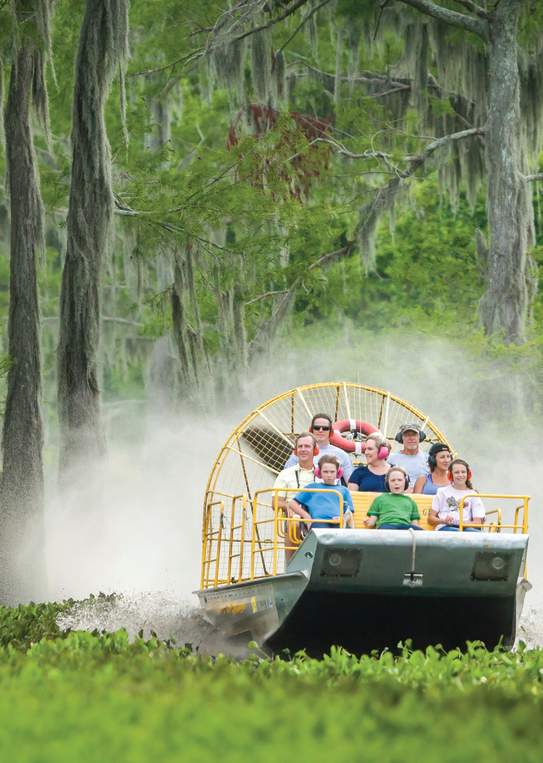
[(363, 501)]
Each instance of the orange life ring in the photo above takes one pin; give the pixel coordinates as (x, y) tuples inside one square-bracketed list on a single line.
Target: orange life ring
[(350, 425)]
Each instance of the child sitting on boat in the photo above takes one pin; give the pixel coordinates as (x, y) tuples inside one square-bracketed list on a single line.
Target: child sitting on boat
[(394, 510), (324, 505), (445, 514)]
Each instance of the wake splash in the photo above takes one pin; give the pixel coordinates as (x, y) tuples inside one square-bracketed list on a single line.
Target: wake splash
[(530, 628), (180, 622), (183, 623)]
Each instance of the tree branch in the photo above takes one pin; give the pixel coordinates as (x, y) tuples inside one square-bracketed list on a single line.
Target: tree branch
[(385, 197), (146, 72), (330, 257), (474, 8), (306, 18), (271, 22), (414, 160), (365, 77), (344, 151), (265, 296), (417, 159), (535, 176), (460, 20), (267, 330)]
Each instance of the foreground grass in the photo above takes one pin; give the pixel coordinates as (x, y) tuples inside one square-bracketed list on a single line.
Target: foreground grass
[(91, 697)]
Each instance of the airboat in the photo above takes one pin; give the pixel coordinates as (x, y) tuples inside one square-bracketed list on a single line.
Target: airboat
[(362, 589)]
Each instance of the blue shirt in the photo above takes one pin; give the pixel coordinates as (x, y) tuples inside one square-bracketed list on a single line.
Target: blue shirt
[(367, 481), (429, 488), (321, 505)]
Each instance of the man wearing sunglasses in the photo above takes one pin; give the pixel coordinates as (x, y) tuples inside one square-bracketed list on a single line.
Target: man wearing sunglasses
[(321, 428)]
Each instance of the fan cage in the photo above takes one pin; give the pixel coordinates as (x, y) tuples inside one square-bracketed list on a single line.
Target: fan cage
[(240, 527)]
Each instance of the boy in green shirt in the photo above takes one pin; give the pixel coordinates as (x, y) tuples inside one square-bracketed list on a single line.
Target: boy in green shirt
[(394, 510)]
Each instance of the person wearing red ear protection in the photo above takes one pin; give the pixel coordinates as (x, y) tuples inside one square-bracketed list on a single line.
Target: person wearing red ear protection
[(324, 505), (439, 458), (371, 477), (394, 510), (445, 514), (321, 428)]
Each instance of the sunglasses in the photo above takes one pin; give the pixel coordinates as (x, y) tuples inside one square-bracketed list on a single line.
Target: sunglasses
[(321, 427)]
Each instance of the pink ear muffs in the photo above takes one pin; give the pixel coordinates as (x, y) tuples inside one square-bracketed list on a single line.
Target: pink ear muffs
[(383, 453), (339, 472)]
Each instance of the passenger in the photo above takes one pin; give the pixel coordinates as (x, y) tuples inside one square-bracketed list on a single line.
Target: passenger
[(294, 478), (394, 510), (371, 477), (320, 428), (324, 505), (410, 457), (439, 458), (445, 514)]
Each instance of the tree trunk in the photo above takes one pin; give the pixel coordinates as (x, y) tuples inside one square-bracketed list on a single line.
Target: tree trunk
[(22, 478), (511, 283), (102, 45), (187, 371)]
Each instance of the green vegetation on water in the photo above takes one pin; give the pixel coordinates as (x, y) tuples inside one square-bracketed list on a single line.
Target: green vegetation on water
[(99, 697)]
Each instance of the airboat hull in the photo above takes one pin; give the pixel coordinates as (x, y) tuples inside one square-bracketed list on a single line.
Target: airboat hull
[(371, 590)]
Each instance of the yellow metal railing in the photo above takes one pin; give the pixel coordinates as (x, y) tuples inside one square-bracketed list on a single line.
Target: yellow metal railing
[(290, 522), (245, 539), (514, 526)]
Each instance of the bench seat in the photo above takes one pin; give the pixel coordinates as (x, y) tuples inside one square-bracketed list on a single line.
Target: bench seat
[(363, 501)]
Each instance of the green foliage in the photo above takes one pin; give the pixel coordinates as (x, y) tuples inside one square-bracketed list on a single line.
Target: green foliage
[(427, 269), (258, 214), (22, 626), (26, 624), (101, 697)]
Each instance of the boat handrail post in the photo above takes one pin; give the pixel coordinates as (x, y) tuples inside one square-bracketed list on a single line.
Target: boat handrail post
[(494, 527), (242, 535), (203, 578), (525, 501), (518, 509), (253, 537), (219, 545), (289, 521), (234, 500), (207, 542), (523, 507), (275, 528)]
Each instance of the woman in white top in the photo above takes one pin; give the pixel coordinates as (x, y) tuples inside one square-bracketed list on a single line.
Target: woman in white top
[(445, 504)]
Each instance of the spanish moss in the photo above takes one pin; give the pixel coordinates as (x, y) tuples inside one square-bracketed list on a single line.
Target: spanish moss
[(261, 65), (228, 61), (22, 477), (103, 46)]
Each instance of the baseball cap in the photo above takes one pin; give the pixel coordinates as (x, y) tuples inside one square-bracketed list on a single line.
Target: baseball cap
[(409, 428)]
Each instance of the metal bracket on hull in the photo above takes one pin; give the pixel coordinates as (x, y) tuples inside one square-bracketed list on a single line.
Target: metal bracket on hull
[(413, 579)]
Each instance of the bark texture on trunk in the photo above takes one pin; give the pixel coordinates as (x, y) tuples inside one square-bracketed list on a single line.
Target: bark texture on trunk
[(510, 276), (22, 477), (102, 45), (195, 373)]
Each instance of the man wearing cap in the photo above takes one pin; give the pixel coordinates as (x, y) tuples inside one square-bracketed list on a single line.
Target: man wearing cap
[(410, 457)]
